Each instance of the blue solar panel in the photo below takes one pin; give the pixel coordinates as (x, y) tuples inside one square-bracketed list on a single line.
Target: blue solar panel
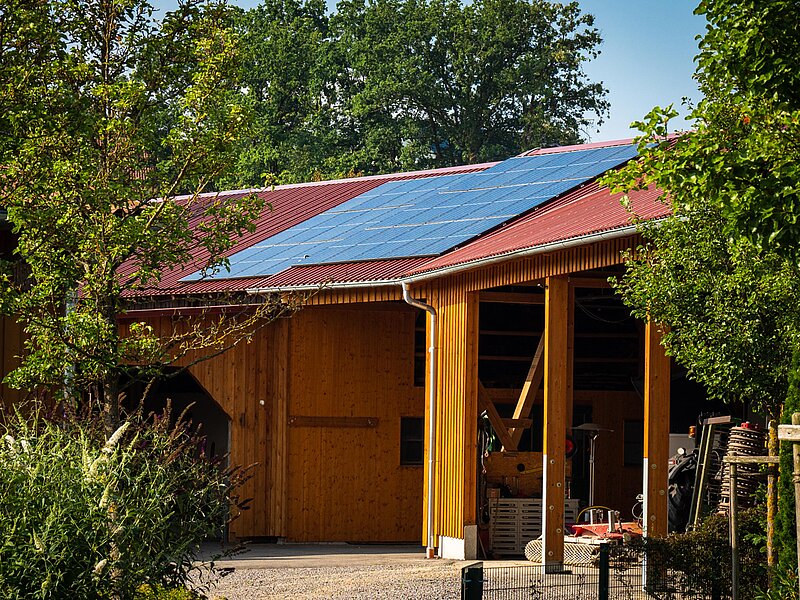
[(425, 217)]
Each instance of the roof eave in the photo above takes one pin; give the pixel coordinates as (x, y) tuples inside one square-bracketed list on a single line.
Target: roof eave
[(333, 285)]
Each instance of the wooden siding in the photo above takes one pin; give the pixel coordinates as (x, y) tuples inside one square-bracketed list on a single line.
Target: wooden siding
[(12, 340), (345, 483), (535, 268), (386, 293), (456, 410), (456, 300), (616, 484), (239, 381)]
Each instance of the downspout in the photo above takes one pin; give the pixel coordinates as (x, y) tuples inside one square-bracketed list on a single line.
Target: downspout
[(431, 550)]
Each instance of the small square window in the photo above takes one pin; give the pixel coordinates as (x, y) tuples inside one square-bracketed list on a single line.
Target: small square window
[(412, 440)]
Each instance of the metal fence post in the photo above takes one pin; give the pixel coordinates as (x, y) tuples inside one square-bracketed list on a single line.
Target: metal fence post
[(472, 582), (604, 574)]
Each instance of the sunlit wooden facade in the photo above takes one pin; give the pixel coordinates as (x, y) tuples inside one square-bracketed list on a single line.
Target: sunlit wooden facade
[(316, 403)]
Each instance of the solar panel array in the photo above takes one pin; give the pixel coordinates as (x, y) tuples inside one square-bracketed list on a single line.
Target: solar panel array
[(424, 217)]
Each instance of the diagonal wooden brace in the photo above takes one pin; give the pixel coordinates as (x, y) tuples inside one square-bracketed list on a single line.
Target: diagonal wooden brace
[(495, 419), (528, 394)]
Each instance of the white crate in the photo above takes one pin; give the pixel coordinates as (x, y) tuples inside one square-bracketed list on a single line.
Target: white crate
[(513, 522)]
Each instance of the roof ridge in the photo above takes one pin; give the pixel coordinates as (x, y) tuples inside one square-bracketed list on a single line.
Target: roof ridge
[(576, 147), (388, 176)]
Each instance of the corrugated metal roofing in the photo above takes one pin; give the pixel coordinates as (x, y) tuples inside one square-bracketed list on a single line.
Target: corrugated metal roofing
[(363, 272), (427, 216), (291, 204), (583, 212), (589, 210)]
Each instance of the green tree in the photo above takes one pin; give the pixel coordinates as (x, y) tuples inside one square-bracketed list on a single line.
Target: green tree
[(739, 164), (742, 155), (730, 307), (105, 114), (438, 83), (389, 85), (284, 70)]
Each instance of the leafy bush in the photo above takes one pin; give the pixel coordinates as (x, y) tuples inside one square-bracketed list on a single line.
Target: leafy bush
[(786, 526), (703, 556), (82, 516)]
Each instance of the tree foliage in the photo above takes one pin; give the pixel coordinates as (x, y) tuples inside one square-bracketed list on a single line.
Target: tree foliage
[(106, 113), (387, 85), (786, 520), (731, 309), (742, 155), (722, 271), (284, 65)]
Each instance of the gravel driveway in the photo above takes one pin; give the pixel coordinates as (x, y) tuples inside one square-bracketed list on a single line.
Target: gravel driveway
[(338, 572)]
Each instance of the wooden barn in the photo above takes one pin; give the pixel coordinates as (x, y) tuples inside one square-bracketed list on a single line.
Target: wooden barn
[(459, 326)]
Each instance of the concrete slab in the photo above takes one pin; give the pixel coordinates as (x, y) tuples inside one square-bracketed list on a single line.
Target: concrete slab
[(282, 556)]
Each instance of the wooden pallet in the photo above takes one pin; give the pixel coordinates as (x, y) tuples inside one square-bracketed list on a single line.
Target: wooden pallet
[(513, 522)]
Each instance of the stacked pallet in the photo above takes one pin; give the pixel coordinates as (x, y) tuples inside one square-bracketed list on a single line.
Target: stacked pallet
[(513, 522)]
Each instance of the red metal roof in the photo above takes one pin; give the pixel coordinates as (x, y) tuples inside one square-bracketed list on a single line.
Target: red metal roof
[(583, 212), (586, 211), (291, 204)]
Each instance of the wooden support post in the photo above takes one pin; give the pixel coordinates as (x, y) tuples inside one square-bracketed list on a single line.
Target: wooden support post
[(555, 424), (656, 432), (734, 528), (796, 479), (570, 356)]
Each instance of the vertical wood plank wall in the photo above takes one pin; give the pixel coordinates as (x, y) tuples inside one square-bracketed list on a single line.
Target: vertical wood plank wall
[(239, 381), (616, 484), (456, 409), (12, 340), (346, 483), (322, 483)]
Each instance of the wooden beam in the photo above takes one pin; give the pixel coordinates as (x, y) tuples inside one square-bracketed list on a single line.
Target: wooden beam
[(555, 420), (656, 432), (528, 393), (512, 298), (313, 421), (523, 423), (589, 282), (485, 403)]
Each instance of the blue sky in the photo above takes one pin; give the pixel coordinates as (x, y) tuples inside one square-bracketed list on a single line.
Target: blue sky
[(646, 58)]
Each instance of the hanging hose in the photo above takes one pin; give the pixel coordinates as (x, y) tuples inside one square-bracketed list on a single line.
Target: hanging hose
[(595, 507)]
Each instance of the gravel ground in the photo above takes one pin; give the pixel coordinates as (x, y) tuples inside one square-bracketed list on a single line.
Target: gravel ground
[(423, 580)]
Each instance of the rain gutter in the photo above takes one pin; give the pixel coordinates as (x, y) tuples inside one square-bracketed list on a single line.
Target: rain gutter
[(431, 550)]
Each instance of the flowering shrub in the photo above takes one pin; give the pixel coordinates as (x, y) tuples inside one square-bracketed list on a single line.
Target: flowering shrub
[(85, 516)]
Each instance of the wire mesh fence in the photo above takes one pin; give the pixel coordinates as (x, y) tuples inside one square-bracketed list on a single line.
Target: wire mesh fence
[(638, 571)]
